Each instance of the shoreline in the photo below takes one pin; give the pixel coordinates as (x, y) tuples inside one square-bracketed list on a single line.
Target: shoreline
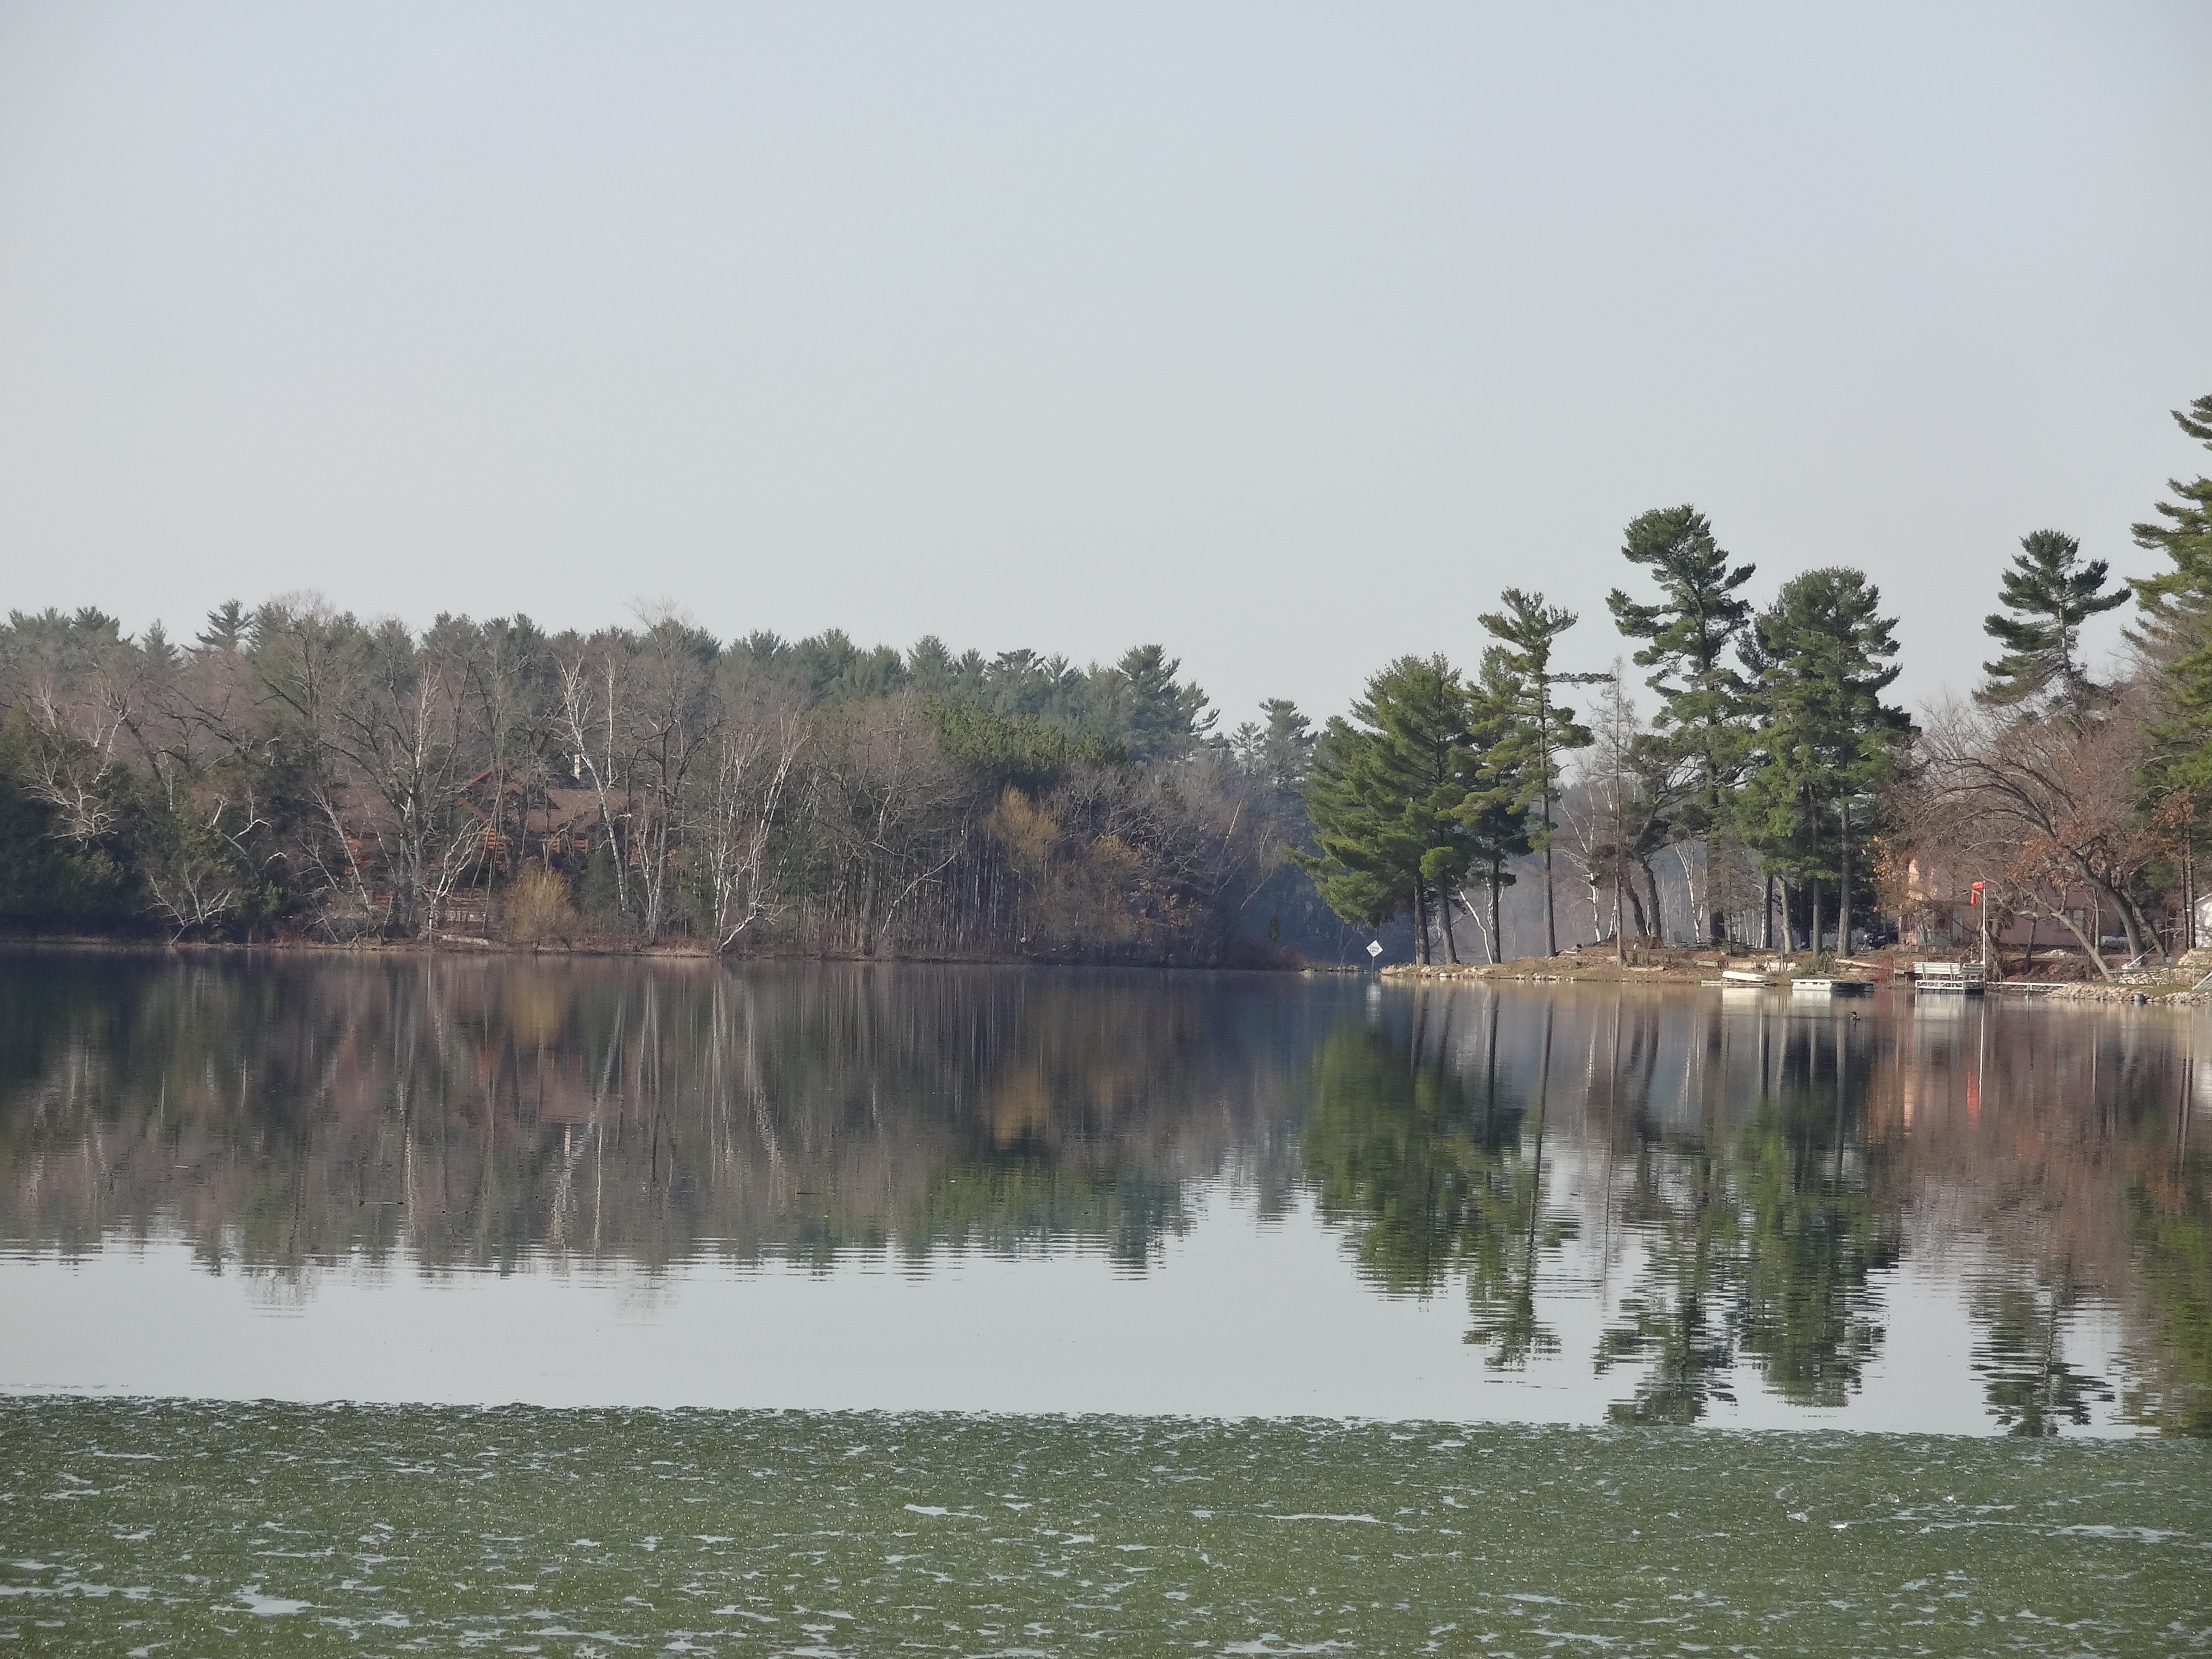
[(1679, 968), (1685, 968), (469, 945)]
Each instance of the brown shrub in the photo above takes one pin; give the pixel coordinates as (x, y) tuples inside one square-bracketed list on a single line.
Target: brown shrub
[(537, 907)]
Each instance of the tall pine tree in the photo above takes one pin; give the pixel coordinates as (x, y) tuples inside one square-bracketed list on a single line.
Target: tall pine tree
[(1536, 730), (1494, 815), (1384, 796), (1687, 635), (1821, 658), (2176, 628), (2050, 594), (1164, 717)]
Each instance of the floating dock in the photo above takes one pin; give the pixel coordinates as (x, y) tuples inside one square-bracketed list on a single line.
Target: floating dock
[(1956, 978)]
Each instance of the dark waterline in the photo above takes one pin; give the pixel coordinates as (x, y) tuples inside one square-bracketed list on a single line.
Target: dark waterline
[(599, 1182)]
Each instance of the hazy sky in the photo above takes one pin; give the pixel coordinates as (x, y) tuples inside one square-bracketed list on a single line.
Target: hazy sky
[(1285, 334)]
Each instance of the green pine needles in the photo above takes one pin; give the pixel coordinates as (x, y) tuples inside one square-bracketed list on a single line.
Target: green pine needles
[(1687, 636), (1409, 795), (1534, 732), (2175, 630), (2050, 592), (1774, 753), (1822, 741)]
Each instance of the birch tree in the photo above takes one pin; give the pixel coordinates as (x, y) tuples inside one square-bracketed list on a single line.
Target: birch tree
[(595, 680)]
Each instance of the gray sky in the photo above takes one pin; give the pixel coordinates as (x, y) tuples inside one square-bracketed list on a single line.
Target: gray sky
[(1285, 334)]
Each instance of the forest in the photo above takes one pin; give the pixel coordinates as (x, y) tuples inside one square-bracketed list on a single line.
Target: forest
[(1801, 809), (295, 772)]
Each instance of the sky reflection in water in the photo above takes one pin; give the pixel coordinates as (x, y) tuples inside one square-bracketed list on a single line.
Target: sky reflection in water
[(579, 1182)]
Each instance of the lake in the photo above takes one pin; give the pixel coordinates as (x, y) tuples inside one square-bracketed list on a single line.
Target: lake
[(1233, 1268), (591, 1182)]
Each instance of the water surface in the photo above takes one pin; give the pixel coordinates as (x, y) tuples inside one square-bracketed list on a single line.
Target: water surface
[(592, 1184), (177, 1528)]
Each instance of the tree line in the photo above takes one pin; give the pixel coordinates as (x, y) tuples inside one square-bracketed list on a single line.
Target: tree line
[(1771, 740), (294, 771), (1803, 809), (2071, 796)]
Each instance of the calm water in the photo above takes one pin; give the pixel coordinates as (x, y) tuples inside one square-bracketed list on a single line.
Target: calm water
[(580, 1184)]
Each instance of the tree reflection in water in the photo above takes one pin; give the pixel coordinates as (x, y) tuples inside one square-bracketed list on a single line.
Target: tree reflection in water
[(473, 1114), (1768, 1232), (1756, 1238), (1438, 1175), (1759, 1168), (2031, 1388), (2171, 1233), (1727, 1180)]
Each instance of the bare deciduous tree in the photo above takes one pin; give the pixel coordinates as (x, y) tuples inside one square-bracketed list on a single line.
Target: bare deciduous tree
[(2042, 804), (749, 765)]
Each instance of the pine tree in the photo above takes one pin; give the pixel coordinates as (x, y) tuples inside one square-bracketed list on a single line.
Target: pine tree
[(2176, 602), (1166, 718), (1821, 654), (2175, 629), (1280, 752), (1384, 796), (2051, 593), (1536, 730), (1494, 816), (1687, 635), (227, 627)]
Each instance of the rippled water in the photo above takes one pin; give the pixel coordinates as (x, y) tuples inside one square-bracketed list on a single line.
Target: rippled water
[(923, 1188)]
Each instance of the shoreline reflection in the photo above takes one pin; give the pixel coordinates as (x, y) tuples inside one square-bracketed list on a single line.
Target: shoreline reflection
[(1727, 1185)]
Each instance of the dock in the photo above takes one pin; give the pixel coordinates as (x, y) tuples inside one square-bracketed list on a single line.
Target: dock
[(1955, 978)]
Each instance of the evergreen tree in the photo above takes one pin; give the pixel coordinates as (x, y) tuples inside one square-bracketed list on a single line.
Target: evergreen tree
[(2175, 602), (2175, 629), (1279, 753), (1165, 717), (1494, 815), (46, 874), (227, 627), (834, 669), (1014, 751), (1384, 796), (1536, 730), (1821, 654), (1687, 635), (602, 899), (2051, 593)]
